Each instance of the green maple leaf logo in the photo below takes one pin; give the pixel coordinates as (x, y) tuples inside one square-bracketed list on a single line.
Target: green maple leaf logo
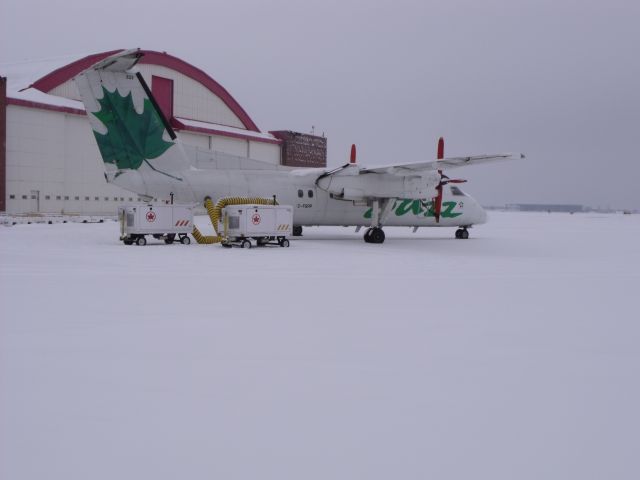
[(131, 137)]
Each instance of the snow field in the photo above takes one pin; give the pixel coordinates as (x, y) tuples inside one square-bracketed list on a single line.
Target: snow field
[(513, 354)]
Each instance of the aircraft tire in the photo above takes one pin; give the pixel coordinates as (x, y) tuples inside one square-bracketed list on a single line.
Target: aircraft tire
[(377, 235)]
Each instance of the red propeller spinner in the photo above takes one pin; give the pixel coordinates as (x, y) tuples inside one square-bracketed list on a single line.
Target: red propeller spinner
[(444, 180)]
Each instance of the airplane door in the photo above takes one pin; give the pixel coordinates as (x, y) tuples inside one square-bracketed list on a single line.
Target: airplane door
[(305, 207)]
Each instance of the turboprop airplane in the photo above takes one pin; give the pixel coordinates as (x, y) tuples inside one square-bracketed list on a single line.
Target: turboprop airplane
[(142, 153)]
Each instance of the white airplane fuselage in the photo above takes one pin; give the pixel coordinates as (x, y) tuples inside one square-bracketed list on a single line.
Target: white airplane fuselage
[(298, 187)]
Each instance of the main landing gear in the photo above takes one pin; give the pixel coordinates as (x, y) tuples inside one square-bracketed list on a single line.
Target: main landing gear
[(462, 233), (374, 235), (380, 209)]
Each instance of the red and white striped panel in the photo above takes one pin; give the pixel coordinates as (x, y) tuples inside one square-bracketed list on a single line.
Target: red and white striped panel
[(182, 223)]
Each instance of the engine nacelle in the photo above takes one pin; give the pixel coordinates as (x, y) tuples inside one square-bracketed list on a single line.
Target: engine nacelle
[(353, 186)]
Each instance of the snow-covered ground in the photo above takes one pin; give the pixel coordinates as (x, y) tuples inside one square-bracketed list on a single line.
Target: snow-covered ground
[(512, 355)]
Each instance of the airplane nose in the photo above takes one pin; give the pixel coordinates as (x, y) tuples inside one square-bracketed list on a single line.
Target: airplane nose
[(483, 214)]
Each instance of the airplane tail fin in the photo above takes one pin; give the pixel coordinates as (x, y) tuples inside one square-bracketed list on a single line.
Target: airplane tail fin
[(131, 131)]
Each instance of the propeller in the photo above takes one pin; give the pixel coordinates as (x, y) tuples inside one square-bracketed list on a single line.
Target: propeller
[(444, 180), (352, 159)]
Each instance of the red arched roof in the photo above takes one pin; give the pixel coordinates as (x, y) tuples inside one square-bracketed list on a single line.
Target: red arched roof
[(61, 75)]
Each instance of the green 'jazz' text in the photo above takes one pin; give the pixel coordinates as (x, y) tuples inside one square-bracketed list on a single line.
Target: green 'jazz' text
[(421, 208)]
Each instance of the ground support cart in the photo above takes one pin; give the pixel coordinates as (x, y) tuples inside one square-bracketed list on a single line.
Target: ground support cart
[(260, 225), (166, 222)]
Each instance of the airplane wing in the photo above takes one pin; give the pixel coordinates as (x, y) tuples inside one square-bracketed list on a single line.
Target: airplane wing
[(405, 180), (451, 162)]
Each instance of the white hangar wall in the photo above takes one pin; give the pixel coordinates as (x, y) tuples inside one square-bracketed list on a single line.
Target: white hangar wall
[(191, 100), (53, 165)]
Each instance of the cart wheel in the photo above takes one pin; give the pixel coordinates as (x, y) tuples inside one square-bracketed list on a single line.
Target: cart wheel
[(185, 240), (169, 239), (128, 242), (245, 244), (284, 243), (141, 241)]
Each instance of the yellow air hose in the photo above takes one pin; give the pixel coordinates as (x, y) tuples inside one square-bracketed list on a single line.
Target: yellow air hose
[(216, 212)]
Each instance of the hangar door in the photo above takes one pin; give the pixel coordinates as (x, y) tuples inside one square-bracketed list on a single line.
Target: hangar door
[(162, 89)]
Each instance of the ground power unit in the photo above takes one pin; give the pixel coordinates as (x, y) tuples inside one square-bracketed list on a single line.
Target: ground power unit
[(160, 221), (264, 224)]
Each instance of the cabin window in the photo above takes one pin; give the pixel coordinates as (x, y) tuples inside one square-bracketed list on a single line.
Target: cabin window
[(97, 199), (300, 193), (66, 197), (77, 198), (47, 197), (12, 197), (86, 199), (24, 197), (58, 197), (310, 193)]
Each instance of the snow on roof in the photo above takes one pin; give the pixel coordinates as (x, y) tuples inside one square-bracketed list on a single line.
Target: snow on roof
[(21, 75)]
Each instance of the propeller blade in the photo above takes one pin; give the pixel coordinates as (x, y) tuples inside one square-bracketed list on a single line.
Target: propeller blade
[(440, 148), (437, 204)]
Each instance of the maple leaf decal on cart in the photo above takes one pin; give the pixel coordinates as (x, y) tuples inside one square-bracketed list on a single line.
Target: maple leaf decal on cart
[(132, 137)]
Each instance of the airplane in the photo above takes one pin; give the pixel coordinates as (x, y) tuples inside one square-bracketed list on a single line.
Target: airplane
[(142, 154)]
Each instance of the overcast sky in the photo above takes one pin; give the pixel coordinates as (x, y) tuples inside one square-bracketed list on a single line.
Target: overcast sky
[(557, 80)]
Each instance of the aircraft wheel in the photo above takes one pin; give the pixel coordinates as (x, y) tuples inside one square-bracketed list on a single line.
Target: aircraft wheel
[(367, 235), (245, 244), (458, 233), (141, 241), (464, 234), (377, 235), (297, 230)]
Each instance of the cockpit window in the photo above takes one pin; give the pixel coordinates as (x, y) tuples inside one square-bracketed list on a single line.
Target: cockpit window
[(457, 192)]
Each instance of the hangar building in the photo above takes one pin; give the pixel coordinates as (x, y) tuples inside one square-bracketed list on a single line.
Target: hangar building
[(49, 160)]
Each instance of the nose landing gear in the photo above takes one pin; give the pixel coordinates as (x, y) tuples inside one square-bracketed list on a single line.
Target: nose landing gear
[(462, 233)]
